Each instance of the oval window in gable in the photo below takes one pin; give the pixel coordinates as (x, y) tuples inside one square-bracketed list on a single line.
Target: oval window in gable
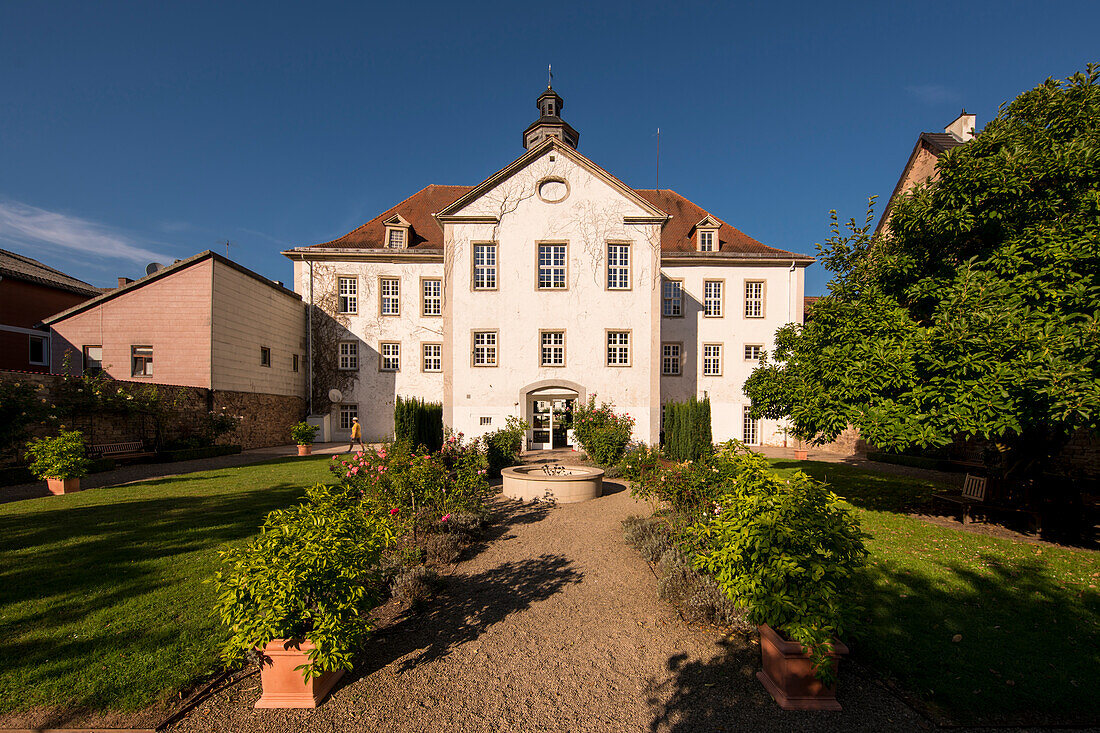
[(553, 190)]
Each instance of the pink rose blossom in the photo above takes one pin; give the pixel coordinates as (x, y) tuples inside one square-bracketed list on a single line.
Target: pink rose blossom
[(445, 517), (393, 511)]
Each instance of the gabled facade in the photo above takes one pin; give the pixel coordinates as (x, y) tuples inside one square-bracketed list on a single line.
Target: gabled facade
[(201, 322), (29, 292), (548, 282)]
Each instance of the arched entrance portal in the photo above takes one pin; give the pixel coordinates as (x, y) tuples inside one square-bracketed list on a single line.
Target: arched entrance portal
[(548, 410)]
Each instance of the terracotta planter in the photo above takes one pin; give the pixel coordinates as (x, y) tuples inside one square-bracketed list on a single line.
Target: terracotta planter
[(283, 686), (801, 453), (788, 674), (305, 450), (60, 486)]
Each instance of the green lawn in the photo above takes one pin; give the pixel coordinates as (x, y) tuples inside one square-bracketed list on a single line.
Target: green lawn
[(1028, 615), (102, 604)]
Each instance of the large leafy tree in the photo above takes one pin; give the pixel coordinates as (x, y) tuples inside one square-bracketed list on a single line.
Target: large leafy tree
[(977, 313)]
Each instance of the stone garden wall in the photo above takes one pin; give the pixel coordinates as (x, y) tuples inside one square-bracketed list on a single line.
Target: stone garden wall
[(265, 419)]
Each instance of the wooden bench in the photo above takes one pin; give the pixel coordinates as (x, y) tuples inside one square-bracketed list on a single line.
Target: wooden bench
[(973, 496), (120, 451)]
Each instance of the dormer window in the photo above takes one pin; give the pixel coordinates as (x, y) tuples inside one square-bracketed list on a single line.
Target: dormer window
[(706, 235), (397, 232)]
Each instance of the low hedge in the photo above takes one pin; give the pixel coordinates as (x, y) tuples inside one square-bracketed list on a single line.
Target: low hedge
[(12, 475), (191, 454)]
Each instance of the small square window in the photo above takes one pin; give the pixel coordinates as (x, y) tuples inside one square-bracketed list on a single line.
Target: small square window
[(618, 348), (389, 356), (93, 359), (141, 361), (552, 352), (753, 352), (348, 356), (37, 354), (486, 421), (265, 356), (347, 415)]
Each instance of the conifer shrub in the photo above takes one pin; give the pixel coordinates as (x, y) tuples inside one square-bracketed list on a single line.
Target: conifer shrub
[(418, 423), (687, 435)]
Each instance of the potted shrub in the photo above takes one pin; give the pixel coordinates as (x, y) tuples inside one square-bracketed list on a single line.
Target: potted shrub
[(303, 434), (60, 460), (786, 551), (298, 594)]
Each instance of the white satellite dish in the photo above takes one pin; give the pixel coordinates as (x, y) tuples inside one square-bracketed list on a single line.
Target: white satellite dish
[(153, 267), (335, 395)]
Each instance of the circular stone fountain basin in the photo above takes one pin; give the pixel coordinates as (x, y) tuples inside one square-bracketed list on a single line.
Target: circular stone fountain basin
[(529, 483)]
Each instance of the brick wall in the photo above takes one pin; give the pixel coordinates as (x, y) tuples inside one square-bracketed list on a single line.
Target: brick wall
[(266, 419)]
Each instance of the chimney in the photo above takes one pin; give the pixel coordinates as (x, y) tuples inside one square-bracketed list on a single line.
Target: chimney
[(124, 281), (962, 129)]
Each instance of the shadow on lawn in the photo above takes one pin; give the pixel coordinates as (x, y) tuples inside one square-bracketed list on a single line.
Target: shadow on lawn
[(70, 562), (1029, 649), (884, 492)]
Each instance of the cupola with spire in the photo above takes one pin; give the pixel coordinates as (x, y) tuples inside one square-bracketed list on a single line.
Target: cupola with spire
[(550, 123)]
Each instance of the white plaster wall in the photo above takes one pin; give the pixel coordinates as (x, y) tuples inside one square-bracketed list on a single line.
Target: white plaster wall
[(375, 391), (783, 303), (591, 215)]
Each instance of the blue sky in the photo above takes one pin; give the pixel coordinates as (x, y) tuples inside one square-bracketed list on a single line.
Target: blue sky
[(132, 132)]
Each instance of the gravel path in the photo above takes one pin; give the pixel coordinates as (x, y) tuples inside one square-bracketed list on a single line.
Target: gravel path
[(554, 624)]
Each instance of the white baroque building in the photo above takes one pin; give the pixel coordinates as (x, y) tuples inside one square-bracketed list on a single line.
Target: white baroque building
[(546, 283)]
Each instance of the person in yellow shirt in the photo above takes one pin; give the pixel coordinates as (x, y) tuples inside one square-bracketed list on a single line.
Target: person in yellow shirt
[(356, 435)]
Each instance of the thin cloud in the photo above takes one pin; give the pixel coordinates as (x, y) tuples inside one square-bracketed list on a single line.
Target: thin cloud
[(25, 225), (933, 93), (265, 236)]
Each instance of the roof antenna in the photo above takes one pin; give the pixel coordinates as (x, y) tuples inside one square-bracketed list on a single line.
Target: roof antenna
[(658, 159)]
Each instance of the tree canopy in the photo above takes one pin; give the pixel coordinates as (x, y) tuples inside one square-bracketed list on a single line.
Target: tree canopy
[(976, 312)]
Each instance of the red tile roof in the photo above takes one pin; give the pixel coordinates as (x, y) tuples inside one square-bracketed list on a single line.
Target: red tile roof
[(678, 234), (424, 232)]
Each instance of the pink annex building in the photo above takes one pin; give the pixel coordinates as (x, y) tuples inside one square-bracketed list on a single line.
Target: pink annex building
[(202, 322)]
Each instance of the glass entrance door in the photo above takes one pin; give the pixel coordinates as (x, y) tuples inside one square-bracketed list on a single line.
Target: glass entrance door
[(562, 418), (541, 424), (549, 420)]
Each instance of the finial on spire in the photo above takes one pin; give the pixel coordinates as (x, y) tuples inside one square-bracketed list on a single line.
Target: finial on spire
[(549, 76)]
